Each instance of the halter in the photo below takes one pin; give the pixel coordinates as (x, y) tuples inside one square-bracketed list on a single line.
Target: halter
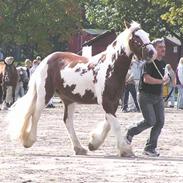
[(142, 45)]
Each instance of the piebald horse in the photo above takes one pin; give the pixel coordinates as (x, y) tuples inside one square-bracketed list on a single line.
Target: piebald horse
[(76, 79)]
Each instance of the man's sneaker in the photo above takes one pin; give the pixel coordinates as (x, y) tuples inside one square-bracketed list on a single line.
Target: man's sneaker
[(128, 139), (125, 110), (50, 106), (151, 153)]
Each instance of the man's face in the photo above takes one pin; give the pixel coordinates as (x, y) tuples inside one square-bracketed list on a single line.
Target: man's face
[(161, 49)]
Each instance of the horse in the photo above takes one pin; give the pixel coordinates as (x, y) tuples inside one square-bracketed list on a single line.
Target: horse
[(76, 79), (8, 82), (22, 80)]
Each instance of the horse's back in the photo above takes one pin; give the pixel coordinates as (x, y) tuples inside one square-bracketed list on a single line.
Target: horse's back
[(67, 57)]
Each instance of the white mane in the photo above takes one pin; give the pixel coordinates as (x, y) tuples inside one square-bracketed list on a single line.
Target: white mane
[(122, 41)]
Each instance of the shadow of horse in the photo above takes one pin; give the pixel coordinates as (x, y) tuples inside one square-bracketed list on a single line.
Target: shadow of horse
[(8, 82)]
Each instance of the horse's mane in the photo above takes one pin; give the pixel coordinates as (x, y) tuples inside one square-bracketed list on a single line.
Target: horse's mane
[(122, 41)]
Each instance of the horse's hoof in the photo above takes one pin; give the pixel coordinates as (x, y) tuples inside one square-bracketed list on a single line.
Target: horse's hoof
[(91, 147), (127, 154), (80, 151)]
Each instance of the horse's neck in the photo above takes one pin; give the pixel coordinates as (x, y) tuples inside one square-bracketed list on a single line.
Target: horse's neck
[(121, 57)]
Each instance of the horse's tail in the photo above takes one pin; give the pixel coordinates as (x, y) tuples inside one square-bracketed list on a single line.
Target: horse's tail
[(25, 113)]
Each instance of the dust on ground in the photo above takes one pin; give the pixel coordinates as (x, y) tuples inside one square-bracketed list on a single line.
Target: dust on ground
[(51, 159)]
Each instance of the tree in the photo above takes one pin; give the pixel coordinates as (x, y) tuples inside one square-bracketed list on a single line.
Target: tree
[(43, 23), (158, 17), (173, 18)]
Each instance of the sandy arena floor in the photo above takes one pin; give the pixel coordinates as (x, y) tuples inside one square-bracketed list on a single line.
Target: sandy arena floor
[(51, 159)]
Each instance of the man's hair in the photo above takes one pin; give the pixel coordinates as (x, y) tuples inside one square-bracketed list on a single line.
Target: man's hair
[(158, 41)]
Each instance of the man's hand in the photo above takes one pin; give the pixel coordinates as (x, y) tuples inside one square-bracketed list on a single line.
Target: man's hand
[(165, 80)]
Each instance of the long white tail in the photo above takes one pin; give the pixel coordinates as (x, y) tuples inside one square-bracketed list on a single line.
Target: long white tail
[(25, 113)]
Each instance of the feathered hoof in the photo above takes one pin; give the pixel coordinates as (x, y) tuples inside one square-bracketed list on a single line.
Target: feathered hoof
[(80, 151), (91, 147), (27, 143), (127, 154)]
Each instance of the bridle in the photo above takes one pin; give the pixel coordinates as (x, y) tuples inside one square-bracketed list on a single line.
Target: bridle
[(140, 44)]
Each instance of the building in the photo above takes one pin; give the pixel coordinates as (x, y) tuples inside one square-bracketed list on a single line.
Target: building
[(96, 39), (173, 51)]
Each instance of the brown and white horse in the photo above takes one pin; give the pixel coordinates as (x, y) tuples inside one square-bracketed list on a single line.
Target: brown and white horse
[(98, 80)]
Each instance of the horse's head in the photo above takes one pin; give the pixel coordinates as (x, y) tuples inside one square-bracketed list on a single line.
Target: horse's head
[(139, 42)]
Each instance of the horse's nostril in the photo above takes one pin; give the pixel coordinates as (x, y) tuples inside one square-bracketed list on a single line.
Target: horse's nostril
[(151, 53)]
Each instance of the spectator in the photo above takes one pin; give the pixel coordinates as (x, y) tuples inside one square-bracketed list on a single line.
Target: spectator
[(39, 59), (28, 65), (179, 74), (171, 84), (34, 66), (130, 88)]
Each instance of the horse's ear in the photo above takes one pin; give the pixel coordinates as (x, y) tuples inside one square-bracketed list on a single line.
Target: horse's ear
[(127, 24)]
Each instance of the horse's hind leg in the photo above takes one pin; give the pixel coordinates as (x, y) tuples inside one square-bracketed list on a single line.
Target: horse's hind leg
[(98, 135), (68, 120)]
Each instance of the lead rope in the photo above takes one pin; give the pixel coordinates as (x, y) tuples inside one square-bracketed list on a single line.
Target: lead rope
[(157, 69)]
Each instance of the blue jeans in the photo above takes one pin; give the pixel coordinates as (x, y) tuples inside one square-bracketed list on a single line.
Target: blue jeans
[(180, 97), (130, 88), (152, 107)]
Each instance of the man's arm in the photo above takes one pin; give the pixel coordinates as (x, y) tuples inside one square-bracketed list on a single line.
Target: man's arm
[(150, 80)]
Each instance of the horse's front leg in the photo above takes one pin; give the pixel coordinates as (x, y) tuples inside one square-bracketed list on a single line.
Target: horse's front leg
[(68, 120), (124, 149)]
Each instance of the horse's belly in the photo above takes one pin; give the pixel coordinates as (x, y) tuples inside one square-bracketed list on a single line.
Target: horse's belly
[(78, 86)]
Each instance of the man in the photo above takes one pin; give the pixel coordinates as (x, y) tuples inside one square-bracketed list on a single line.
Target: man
[(151, 100), (28, 65), (171, 85)]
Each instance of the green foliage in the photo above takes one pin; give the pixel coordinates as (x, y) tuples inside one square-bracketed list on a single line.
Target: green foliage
[(173, 17), (38, 22), (158, 17)]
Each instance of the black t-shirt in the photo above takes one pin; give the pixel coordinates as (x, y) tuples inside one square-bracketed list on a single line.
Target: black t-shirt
[(149, 68)]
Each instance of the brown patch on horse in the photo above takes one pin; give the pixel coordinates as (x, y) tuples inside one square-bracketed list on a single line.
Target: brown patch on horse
[(114, 43), (115, 79), (102, 58)]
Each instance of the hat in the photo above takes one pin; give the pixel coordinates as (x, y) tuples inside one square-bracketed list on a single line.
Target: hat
[(28, 62), (9, 60), (38, 58), (158, 41)]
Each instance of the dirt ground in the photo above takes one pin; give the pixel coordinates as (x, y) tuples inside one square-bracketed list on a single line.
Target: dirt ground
[(51, 159)]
